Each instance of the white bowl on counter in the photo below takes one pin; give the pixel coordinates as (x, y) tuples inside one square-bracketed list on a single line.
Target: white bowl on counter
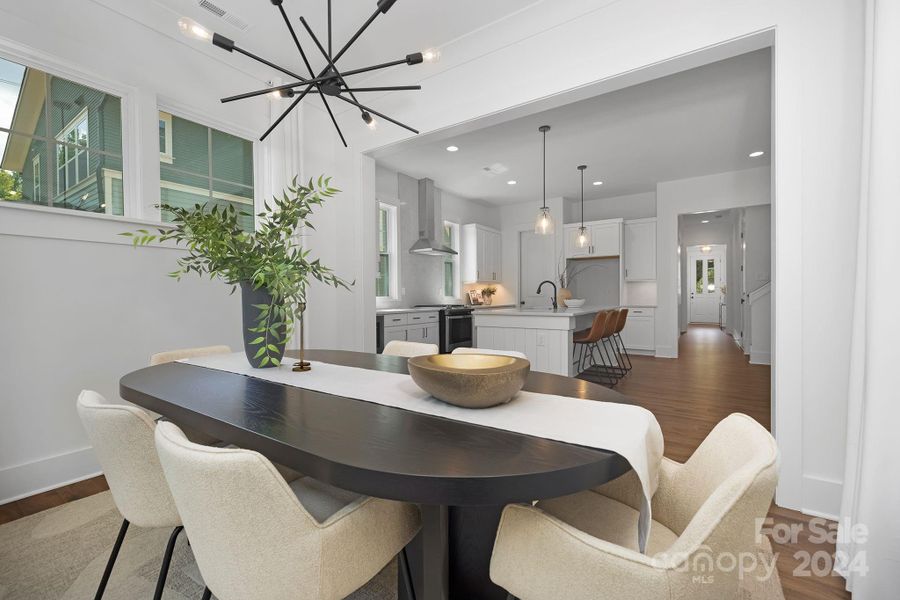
[(574, 302)]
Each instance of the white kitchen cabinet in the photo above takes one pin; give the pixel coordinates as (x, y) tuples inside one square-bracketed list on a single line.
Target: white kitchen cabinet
[(639, 331), (395, 333), (424, 334), (640, 250), (604, 239), (481, 254)]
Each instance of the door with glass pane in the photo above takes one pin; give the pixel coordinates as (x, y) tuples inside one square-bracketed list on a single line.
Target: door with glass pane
[(706, 283)]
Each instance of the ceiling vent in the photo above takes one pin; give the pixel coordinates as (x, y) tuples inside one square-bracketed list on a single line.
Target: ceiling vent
[(230, 18), (495, 169)]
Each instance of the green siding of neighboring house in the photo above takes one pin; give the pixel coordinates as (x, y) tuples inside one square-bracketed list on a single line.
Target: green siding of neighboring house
[(206, 165)]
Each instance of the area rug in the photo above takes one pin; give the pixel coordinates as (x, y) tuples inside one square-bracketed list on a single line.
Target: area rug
[(60, 554)]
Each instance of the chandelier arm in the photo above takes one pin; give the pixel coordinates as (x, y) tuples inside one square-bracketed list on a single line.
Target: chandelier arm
[(375, 112), (333, 120), (326, 55), (270, 64), (389, 88), (311, 82), (290, 27), (356, 35), (329, 28), (284, 114)]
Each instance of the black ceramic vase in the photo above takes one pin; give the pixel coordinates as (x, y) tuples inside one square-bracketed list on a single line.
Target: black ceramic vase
[(250, 313)]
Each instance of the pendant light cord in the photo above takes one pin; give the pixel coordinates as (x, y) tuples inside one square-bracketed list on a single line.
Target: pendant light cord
[(582, 199), (544, 158)]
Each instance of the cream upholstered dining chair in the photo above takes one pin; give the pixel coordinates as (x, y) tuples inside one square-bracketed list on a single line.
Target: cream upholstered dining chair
[(173, 355), (122, 437), (513, 353), (255, 536), (409, 349), (707, 515)]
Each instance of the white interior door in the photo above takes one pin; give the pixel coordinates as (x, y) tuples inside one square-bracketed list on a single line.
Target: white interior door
[(536, 264), (706, 276)]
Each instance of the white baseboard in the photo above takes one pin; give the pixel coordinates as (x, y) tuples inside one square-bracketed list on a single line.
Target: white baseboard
[(821, 497), (760, 358), (666, 352), (737, 339), (21, 481)]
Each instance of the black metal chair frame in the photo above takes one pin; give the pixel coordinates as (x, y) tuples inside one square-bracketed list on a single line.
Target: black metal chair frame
[(114, 554)]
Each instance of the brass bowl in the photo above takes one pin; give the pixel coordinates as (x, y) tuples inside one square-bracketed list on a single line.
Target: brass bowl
[(470, 380)]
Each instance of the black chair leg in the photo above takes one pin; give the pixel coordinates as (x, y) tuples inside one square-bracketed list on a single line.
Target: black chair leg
[(625, 350), (207, 594), (407, 575), (112, 560), (167, 559)]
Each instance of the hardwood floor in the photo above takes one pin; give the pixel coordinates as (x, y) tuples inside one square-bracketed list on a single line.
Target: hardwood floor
[(710, 379), (35, 504)]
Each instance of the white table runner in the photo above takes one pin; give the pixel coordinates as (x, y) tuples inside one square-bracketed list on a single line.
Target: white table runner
[(630, 431)]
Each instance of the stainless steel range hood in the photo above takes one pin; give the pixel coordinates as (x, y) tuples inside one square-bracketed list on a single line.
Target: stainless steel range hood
[(431, 226)]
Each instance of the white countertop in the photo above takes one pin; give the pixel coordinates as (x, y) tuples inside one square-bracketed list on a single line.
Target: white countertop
[(544, 312), (394, 311)]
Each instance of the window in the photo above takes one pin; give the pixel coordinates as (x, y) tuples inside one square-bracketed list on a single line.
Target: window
[(205, 166), (71, 153), (36, 179), (386, 282), (451, 263), (165, 137), (61, 142)]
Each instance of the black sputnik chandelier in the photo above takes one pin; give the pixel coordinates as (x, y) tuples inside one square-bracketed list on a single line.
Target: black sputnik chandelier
[(330, 81)]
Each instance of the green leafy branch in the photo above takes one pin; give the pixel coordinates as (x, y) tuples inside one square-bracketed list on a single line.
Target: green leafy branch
[(271, 257)]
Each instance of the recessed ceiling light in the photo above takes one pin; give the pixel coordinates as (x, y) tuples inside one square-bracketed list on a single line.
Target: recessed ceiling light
[(705, 221), (452, 148), (512, 182), (757, 153), (598, 183)]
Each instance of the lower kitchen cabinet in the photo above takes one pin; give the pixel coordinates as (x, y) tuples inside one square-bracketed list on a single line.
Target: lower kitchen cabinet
[(425, 334), (639, 331)]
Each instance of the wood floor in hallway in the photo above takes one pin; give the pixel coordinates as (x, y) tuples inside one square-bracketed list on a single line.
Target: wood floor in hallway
[(710, 379)]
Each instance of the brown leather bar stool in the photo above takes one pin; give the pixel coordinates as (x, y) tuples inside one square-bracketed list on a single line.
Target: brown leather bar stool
[(619, 342), (612, 364), (586, 342)]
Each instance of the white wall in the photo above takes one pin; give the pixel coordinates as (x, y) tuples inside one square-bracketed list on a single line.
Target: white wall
[(80, 307), (632, 206)]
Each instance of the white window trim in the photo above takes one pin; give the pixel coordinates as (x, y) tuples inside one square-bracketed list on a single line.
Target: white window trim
[(82, 116), (454, 243), (166, 156), (37, 184), (393, 259)]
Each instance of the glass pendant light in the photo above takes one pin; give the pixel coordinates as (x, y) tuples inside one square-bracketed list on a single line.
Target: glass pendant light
[(544, 223), (582, 240)]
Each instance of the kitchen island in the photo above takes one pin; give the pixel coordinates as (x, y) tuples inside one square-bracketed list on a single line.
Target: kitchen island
[(543, 335)]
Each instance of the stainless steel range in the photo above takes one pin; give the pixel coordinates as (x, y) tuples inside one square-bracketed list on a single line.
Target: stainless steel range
[(456, 326)]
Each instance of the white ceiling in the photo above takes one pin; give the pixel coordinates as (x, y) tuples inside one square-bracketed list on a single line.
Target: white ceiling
[(698, 122), (409, 26)]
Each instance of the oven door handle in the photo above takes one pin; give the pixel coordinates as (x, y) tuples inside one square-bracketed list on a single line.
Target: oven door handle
[(457, 317)]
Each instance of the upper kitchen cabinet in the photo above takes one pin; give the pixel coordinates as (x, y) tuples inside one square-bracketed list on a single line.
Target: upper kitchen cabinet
[(604, 239), (481, 254), (640, 250)]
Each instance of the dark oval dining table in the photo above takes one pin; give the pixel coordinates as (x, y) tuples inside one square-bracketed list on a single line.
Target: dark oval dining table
[(461, 474)]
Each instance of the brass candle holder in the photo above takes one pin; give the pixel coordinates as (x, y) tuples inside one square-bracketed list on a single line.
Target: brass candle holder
[(302, 365)]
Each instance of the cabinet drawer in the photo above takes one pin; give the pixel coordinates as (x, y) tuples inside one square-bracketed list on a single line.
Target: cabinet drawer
[(416, 318), (644, 312), (393, 319)]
